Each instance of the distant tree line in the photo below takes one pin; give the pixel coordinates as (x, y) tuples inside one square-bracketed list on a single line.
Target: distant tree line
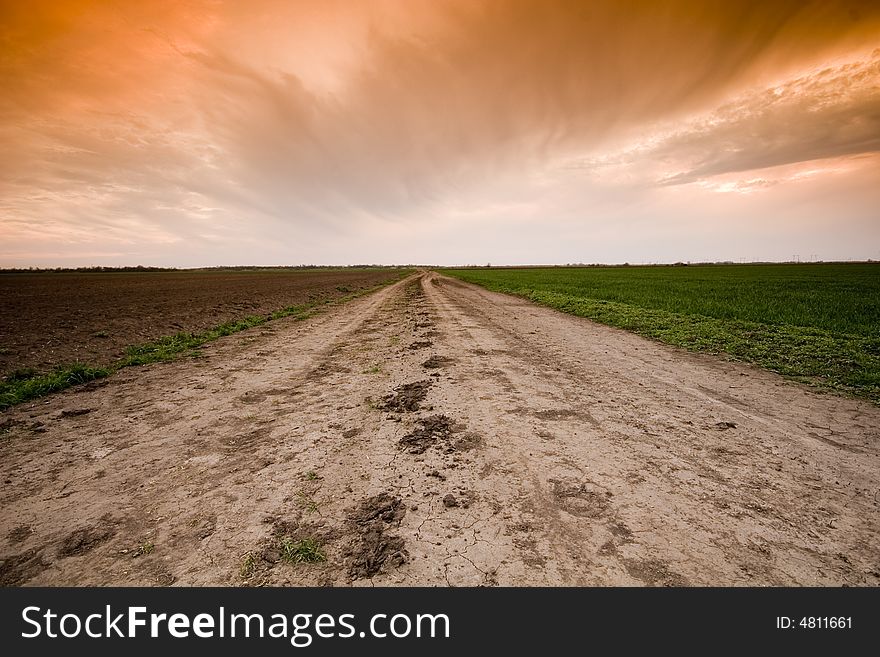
[(19, 270), (142, 268)]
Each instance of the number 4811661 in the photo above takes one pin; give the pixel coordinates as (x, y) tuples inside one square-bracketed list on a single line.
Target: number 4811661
[(815, 622)]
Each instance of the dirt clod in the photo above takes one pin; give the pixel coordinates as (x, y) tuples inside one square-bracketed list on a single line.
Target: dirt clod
[(433, 428), (374, 552), (407, 397), (724, 426), (449, 501), (374, 549), (384, 507)]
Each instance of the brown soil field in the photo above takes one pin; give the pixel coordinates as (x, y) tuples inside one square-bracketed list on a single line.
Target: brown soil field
[(48, 319), (435, 433)]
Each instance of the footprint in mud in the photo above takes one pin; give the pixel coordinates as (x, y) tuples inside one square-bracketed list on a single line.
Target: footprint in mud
[(164, 578), (85, 540), (580, 499), (556, 414), (203, 525), (251, 397), (321, 372), (635, 478), (653, 572), (75, 412), (435, 362), (19, 534), (620, 534), (407, 397), (374, 549), (17, 569), (527, 545), (466, 442), (249, 439)]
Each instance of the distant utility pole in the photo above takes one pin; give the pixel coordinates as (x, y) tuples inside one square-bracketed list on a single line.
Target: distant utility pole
[(796, 257)]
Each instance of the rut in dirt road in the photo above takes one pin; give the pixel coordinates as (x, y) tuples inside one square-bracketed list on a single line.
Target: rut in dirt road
[(436, 433)]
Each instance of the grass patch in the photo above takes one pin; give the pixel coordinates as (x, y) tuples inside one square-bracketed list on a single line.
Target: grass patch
[(306, 502), (17, 387), (307, 550), (171, 347), (144, 548), (248, 567), (819, 324), (25, 384)]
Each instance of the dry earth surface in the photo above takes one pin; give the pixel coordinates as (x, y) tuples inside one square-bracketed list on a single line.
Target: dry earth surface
[(434, 433)]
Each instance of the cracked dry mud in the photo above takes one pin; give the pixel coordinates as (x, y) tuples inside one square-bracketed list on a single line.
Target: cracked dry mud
[(435, 433)]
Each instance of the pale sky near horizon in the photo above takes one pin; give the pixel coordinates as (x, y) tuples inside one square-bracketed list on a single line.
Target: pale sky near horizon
[(273, 132)]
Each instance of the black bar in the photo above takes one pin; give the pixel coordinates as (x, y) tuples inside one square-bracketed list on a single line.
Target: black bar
[(494, 619)]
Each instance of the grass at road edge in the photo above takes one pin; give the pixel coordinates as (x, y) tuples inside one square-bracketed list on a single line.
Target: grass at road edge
[(841, 362), (18, 387), (23, 385)]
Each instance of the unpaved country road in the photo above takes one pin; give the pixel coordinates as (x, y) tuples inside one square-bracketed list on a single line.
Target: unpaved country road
[(535, 448)]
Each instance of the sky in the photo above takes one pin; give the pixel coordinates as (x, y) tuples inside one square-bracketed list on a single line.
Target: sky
[(284, 132)]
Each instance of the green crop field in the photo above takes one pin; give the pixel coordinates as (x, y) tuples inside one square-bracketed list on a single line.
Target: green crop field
[(817, 323)]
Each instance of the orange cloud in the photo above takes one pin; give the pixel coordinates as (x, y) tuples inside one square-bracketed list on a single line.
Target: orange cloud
[(208, 124)]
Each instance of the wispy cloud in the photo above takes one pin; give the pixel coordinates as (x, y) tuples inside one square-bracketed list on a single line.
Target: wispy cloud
[(823, 114)]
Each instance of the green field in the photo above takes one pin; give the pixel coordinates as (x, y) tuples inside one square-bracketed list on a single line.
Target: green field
[(817, 323)]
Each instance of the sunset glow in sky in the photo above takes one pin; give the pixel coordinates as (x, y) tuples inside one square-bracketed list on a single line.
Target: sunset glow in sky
[(198, 133)]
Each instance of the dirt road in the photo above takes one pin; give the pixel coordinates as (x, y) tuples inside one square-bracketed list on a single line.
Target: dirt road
[(435, 433)]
